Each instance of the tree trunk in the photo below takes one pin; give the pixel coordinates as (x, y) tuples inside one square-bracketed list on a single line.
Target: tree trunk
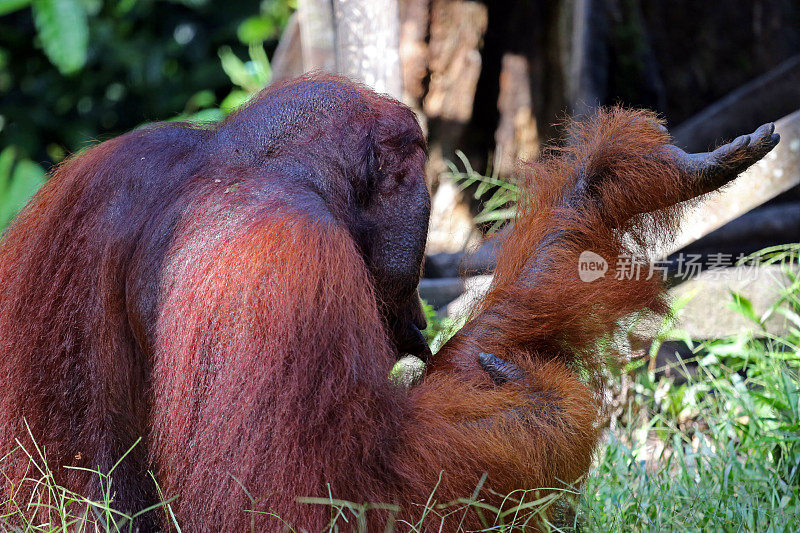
[(317, 34), (367, 36)]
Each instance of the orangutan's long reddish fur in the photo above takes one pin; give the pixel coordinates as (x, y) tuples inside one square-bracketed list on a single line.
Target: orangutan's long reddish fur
[(270, 360)]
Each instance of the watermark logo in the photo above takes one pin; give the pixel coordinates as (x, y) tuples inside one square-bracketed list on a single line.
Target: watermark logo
[(629, 267), (591, 266)]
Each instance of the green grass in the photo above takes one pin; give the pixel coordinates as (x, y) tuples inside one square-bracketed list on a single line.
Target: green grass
[(48, 507), (718, 450)]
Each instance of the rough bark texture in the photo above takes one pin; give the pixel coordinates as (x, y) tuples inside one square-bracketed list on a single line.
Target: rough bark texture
[(367, 43), (414, 24), (457, 29), (517, 136), (456, 37), (318, 35)]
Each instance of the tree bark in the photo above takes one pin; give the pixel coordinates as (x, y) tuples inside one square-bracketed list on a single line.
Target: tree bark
[(317, 35), (517, 136), (414, 23), (367, 34)]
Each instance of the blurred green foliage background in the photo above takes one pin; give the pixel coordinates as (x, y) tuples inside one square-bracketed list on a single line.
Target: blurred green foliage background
[(75, 72)]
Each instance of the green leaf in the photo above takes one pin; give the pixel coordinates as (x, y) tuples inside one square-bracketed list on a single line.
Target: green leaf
[(64, 32), (788, 313), (259, 65), (235, 99), (8, 6), (256, 30), (497, 214), (200, 100), (251, 76), (7, 158), (25, 180), (744, 307), (205, 115), (123, 7), (234, 67)]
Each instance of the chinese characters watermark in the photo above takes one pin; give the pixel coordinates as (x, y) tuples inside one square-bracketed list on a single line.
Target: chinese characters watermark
[(683, 266)]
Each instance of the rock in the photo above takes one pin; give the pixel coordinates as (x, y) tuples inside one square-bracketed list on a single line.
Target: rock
[(474, 289), (463, 263), (708, 315), (705, 316), (440, 292)]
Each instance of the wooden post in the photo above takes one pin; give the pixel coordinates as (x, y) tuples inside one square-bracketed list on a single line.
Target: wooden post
[(766, 98)]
